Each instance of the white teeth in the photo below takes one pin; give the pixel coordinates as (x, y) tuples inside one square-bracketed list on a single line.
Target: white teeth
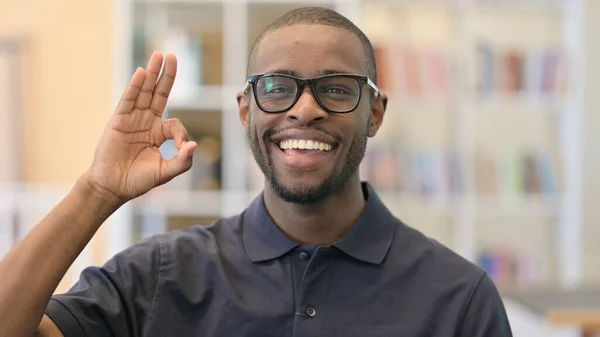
[(304, 144)]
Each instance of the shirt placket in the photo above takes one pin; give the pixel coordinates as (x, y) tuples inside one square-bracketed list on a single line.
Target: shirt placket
[(310, 266)]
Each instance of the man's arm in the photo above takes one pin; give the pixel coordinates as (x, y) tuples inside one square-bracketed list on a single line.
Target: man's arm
[(33, 269), (127, 163), (47, 328), (485, 315)]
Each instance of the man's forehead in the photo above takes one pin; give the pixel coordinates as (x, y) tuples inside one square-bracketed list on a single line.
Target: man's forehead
[(310, 50)]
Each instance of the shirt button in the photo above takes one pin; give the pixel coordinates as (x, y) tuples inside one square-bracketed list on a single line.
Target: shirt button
[(304, 256), (311, 312)]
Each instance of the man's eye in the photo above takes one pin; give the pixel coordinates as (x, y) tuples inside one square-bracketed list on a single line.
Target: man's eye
[(337, 91), (278, 90)]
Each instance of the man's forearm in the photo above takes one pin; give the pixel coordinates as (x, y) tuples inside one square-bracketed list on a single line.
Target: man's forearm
[(33, 269)]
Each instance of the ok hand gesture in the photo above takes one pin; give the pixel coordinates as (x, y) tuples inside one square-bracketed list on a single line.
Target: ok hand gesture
[(127, 161)]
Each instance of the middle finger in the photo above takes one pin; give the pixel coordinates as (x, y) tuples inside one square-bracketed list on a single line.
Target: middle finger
[(152, 71)]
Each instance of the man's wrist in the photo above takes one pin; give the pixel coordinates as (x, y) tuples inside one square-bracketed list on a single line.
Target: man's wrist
[(88, 191)]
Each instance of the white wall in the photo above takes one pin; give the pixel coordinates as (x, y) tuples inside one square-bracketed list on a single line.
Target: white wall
[(528, 324), (591, 145)]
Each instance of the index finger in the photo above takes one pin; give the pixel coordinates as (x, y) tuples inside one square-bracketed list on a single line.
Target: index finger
[(164, 85)]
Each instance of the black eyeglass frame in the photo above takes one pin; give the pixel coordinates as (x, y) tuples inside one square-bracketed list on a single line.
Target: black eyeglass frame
[(312, 82)]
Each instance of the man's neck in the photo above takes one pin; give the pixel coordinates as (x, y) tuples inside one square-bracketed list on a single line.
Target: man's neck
[(321, 223)]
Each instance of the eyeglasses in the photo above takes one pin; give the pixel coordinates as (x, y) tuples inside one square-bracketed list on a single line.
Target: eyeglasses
[(335, 93)]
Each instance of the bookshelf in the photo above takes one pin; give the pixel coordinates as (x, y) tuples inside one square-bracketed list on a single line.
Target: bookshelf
[(479, 91), (472, 151)]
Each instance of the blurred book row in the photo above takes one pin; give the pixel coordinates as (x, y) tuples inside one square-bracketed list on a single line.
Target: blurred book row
[(440, 174), (532, 72), (509, 269), (516, 174), (411, 72)]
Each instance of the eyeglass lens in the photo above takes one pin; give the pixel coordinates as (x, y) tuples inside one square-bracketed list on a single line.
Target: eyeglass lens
[(336, 93)]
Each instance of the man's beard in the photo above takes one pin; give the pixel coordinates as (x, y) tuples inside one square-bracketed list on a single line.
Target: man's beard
[(306, 194)]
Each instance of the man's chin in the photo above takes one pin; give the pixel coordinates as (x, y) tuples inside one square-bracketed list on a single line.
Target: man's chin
[(301, 193)]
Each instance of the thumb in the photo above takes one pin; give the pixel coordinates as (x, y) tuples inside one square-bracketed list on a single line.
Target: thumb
[(179, 164)]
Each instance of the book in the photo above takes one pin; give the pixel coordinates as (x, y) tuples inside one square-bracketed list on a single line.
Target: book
[(533, 72), (413, 73), (512, 72), (516, 175)]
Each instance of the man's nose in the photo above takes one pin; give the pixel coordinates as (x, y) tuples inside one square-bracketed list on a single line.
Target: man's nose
[(307, 110)]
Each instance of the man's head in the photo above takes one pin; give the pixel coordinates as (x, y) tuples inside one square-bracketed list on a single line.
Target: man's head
[(309, 140), (318, 16)]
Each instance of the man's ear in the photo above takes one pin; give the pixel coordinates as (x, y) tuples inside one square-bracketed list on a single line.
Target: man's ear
[(377, 111), (244, 109)]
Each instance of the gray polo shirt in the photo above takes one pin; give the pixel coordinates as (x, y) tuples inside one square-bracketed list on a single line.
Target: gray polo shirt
[(243, 277)]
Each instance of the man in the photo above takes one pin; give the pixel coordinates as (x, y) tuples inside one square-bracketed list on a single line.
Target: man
[(317, 254)]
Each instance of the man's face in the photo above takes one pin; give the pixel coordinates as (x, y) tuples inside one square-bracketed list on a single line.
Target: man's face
[(299, 175)]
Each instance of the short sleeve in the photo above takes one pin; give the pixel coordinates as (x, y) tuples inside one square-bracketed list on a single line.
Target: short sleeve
[(114, 299), (485, 315)]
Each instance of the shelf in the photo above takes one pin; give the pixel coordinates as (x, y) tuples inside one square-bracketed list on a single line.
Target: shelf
[(504, 7), (474, 207), (182, 202), (207, 97), (307, 2), (410, 203), (178, 1), (209, 203), (515, 103), (513, 207), (189, 203), (416, 4), (501, 7), (406, 104)]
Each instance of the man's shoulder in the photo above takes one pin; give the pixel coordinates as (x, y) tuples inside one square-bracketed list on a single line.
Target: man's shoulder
[(432, 258), (202, 236)]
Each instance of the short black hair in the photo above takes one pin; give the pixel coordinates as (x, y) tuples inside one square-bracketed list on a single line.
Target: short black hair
[(318, 16)]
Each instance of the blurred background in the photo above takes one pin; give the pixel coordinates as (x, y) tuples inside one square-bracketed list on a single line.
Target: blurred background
[(489, 145)]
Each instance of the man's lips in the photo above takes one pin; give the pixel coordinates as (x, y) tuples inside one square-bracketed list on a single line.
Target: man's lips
[(304, 153), (298, 134), (302, 148), (302, 158)]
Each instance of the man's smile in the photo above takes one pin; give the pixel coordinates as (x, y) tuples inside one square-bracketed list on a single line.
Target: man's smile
[(303, 158), (303, 149)]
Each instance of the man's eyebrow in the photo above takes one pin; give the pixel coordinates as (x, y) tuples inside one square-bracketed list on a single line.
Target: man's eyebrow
[(283, 71), (336, 71), (323, 72)]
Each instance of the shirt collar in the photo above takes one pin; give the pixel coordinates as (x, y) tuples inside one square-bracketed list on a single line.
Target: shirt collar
[(262, 238), (371, 237), (368, 240)]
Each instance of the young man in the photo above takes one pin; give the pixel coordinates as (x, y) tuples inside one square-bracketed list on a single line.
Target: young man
[(317, 254)]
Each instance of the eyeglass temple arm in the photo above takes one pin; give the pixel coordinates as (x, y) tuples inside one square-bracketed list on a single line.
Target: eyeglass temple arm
[(372, 85), (246, 87)]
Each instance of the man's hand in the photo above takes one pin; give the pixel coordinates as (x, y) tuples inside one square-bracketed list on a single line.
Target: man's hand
[(127, 162)]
